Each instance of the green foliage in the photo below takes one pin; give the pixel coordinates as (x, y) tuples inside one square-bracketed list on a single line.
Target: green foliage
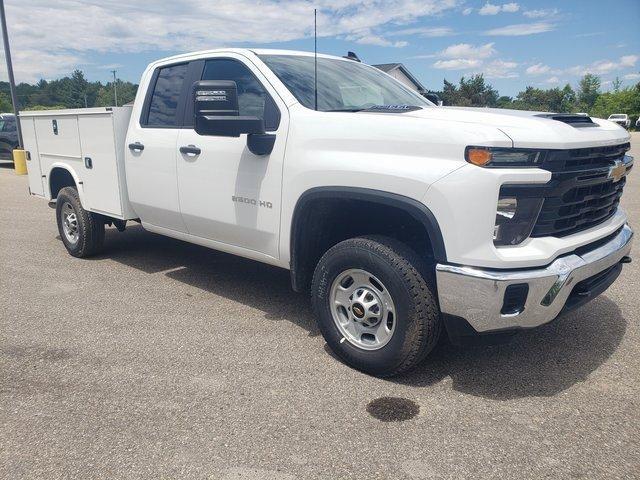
[(626, 100), (475, 92), (5, 103), (74, 91), (588, 91), (551, 100)]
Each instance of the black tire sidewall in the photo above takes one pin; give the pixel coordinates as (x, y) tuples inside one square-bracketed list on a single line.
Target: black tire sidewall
[(394, 353)]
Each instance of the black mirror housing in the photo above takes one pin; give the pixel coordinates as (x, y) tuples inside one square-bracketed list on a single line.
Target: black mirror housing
[(216, 110), (217, 113)]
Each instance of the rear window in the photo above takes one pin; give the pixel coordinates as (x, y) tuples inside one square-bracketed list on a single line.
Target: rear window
[(166, 93)]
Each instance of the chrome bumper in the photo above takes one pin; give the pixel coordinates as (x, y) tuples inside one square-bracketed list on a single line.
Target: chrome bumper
[(477, 295)]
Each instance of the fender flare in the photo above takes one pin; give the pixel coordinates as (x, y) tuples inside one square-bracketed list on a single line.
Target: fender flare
[(76, 179), (416, 209)]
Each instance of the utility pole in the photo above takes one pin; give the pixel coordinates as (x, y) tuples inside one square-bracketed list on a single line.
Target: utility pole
[(12, 82), (115, 88)]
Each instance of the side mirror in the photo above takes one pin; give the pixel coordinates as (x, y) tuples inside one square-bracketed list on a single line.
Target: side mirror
[(216, 113), (216, 110)]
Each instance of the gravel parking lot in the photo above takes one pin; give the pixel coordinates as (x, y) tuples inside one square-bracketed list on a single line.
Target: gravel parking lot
[(162, 359)]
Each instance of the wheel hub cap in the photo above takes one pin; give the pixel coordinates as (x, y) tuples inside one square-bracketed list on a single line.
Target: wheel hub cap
[(70, 223), (362, 309)]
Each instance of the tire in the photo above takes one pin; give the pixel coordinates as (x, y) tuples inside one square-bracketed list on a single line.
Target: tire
[(89, 227), (394, 269)]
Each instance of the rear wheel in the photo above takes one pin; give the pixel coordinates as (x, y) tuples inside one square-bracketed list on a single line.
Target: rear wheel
[(81, 232), (374, 308)]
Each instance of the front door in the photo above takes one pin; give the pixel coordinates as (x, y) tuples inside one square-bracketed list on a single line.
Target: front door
[(228, 194)]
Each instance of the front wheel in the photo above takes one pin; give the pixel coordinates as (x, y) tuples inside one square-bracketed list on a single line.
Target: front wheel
[(374, 308), (81, 232)]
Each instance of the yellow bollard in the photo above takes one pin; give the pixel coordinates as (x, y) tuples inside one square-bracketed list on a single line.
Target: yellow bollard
[(20, 162)]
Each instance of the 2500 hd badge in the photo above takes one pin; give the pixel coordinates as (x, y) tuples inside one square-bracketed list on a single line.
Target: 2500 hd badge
[(252, 201)]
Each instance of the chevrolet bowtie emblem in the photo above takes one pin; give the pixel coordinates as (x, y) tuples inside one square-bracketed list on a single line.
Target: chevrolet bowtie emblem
[(617, 171)]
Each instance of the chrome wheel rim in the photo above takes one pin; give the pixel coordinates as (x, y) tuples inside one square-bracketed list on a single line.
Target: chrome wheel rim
[(362, 309), (70, 223)]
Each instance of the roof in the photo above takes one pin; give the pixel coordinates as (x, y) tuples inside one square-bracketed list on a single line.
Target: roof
[(389, 67)]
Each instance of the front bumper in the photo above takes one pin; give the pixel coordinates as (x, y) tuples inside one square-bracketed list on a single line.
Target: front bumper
[(478, 295)]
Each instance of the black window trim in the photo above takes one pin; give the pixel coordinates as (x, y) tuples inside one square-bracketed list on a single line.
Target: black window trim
[(195, 70), (146, 107)]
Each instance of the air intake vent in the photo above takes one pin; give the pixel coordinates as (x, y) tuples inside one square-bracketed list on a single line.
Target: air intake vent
[(571, 119)]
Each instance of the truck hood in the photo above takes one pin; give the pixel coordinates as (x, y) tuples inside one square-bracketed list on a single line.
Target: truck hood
[(530, 129)]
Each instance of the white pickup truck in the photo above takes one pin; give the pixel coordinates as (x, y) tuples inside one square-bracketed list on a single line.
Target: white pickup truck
[(403, 219)]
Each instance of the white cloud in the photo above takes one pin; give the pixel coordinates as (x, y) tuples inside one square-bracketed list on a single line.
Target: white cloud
[(552, 80), (603, 67), (541, 13), (466, 50), (465, 56), (41, 31), (457, 64), (631, 76), (500, 69), (369, 38), (491, 9), (424, 32), (111, 66), (510, 7), (467, 11), (521, 29), (538, 69)]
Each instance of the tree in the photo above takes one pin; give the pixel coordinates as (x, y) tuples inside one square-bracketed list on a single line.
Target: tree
[(5, 103), (588, 91), (616, 84), (472, 92), (626, 100)]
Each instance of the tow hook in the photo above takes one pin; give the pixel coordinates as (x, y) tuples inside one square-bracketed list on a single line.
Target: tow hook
[(625, 259)]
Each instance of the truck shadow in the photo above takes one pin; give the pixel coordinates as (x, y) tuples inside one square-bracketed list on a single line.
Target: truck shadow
[(541, 362), (536, 363), (260, 286)]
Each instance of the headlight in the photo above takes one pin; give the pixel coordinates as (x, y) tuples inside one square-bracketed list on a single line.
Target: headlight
[(515, 218), (503, 157)]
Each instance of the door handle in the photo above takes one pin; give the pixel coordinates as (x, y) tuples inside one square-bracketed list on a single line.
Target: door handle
[(136, 147), (190, 150)]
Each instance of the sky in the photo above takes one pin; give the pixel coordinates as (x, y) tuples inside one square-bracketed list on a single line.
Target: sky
[(514, 44)]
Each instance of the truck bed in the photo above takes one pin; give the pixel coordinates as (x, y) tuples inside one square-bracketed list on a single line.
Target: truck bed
[(87, 142)]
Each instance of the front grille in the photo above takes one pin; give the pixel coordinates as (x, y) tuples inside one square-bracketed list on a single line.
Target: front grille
[(579, 208), (580, 194)]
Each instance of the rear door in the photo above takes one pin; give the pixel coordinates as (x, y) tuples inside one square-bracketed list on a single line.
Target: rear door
[(150, 149)]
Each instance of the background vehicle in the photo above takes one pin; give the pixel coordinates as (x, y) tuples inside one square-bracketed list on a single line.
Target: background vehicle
[(401, 218), (621, 119), (8, 135)]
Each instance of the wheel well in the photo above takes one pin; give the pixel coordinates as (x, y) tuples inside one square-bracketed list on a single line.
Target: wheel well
[(325, 218), (58, 179)]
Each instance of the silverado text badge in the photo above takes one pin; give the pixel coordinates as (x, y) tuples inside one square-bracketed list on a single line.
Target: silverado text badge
[(617, 171)]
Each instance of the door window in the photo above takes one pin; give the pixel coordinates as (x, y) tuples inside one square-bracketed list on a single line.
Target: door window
[(253, 99), (163, 107)]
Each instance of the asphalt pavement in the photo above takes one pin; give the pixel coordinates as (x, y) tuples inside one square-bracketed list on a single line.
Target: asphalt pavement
[(160, 359)]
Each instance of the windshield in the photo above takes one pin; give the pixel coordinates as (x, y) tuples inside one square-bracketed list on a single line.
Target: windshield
[(343, 85), (617, 116)]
